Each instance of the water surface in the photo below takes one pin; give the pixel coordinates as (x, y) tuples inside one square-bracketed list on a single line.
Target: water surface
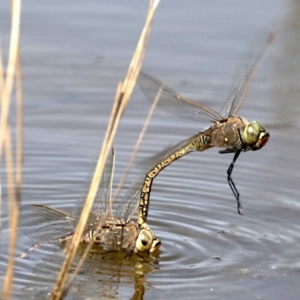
[(73, 56)]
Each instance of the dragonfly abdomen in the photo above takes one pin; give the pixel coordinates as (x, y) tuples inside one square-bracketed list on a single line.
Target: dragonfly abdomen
[(146, 188), (201, 141)]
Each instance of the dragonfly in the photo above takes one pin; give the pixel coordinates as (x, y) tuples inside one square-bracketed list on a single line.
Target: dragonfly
[(228, 131), (113, 230)]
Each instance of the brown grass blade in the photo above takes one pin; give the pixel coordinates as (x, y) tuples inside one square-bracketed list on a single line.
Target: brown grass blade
[(1, 75), (137, 145), (122, 97), (13, 217), (5, 138), (19, 146), (10, 71)]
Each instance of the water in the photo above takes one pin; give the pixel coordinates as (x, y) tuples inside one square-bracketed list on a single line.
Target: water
[(73, 56)]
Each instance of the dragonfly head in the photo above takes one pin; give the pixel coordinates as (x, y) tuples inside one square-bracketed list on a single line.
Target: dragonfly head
[(255, 136), (147, 241)]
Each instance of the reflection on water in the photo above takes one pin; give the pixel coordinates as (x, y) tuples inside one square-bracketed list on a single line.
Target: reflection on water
[(207, 249), (104, 274)]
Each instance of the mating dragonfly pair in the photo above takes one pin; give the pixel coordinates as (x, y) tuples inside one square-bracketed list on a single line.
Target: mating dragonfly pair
[(117, 232), (111, 228)]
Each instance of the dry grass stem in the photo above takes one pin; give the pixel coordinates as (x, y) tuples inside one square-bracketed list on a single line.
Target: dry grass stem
[(122, 97), (5, 138), (13, 217), (10, 71), (1, 89), (0, 208), (1, 75), (19, 153), (114, 112), (138, 144)]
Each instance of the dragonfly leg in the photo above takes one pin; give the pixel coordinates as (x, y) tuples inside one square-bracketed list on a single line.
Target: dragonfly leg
[(226, 151), (231, 183)]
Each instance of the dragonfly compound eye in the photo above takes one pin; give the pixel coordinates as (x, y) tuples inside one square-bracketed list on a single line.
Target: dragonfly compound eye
[(144, 240), (255, 135), (155, 245)]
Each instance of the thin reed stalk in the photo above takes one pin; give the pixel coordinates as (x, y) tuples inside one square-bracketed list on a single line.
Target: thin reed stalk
[(5, 138), (115, 109), (13, 217), (1, 75), (10, 71), (1, 89), (122, 97), (0, 208), (19, 146), (137, 145)]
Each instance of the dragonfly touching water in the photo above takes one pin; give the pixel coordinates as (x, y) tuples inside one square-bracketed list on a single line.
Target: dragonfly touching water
[(228, 131), (117, 232)]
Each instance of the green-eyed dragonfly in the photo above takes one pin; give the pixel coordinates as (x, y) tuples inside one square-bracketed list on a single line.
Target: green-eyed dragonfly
[(228, 131), (45, 224)]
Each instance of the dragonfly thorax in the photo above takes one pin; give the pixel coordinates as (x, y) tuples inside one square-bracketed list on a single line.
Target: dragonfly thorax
[(255, 135)]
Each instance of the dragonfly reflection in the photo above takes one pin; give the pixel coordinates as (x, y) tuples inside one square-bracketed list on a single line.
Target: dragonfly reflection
[(228, 131), (45, 224)]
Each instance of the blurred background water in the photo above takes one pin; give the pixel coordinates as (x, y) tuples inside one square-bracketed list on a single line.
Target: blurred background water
[(73, 55)]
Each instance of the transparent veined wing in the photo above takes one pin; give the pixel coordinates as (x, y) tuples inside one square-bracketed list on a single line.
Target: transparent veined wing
[(245, 71), (42, 223), (174, 103), (128, 205), (102, 200)]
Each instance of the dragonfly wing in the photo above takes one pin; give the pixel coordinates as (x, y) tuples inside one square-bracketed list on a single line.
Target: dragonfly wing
[(244, 73), (130, 202), (43, 224), (174, 103), (102, 200)]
